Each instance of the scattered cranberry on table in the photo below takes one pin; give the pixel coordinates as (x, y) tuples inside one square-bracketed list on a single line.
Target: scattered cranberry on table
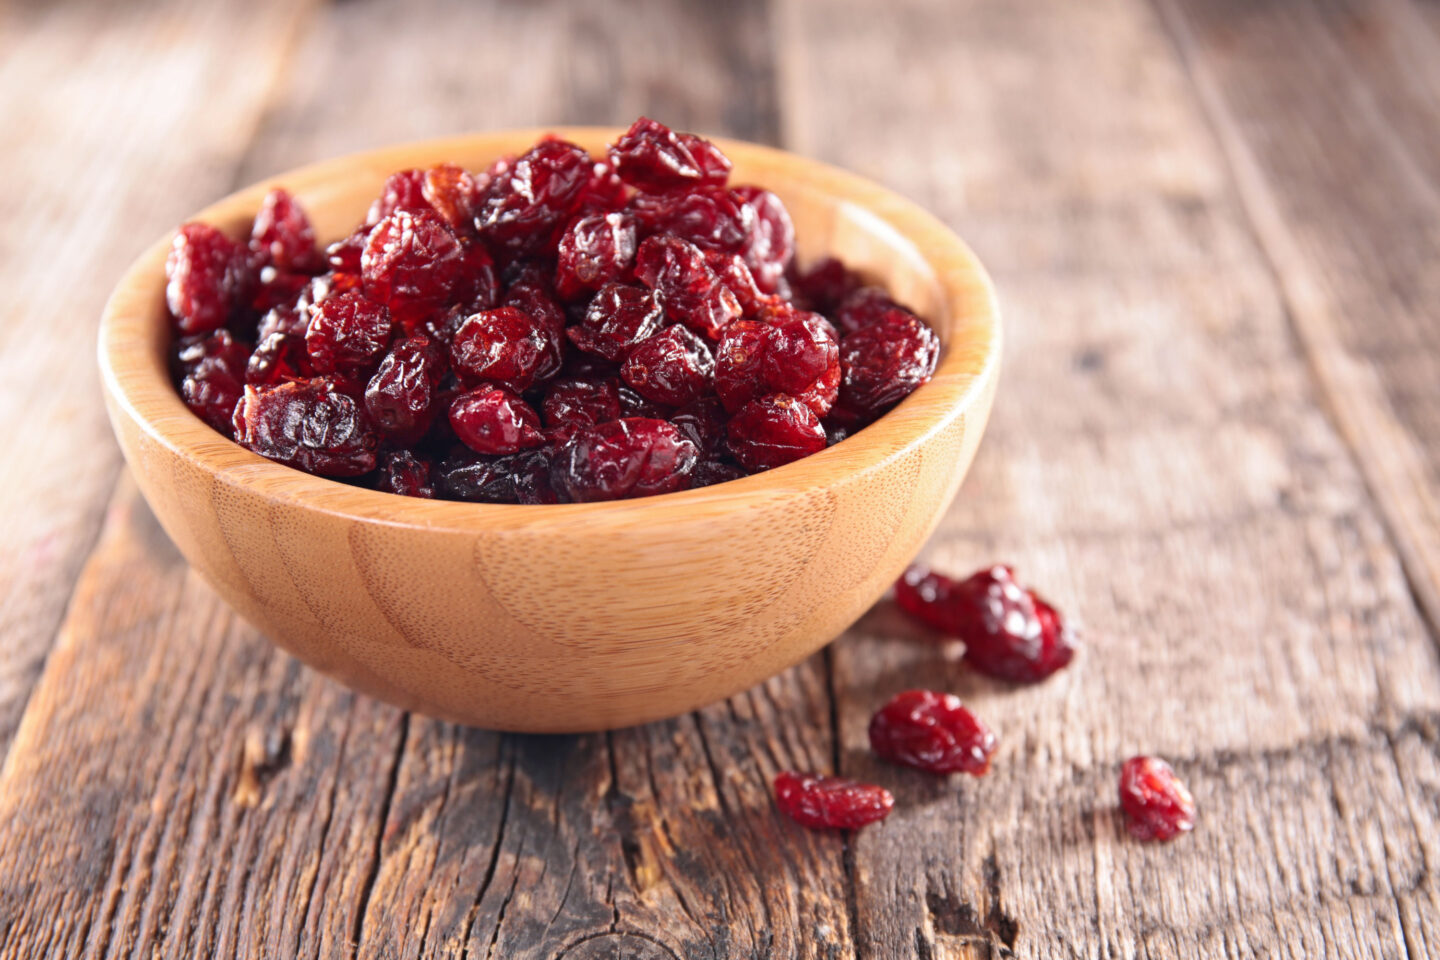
[(1010, 633), (559, 327), (831, 803), (933, 732), (1157, 805)]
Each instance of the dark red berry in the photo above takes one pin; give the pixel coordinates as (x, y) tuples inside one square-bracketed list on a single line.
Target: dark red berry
[(864, 306), (212, 371), (493, 420), (774, 431), (653, 157), (454, 194), (703, 424), (604, 192), (581, 403), (282, 236), (1157, 805), (280, 356), (731, 270), (633, 457), (528, 203), (313, 425), (671, 368), (404, 192), (686, 286), (619, 317), (519, 478), (402, 472), (633, 404), (883, 363), (1009, 632), (932, 731), (343, 255), (825, 284), (594, 250), (348, 334), (400, 397), (207, 277), (831, 803), (711, 217), (414, 265), (770, 247), (505, 346), (707, 473), (795, 356), (536, 300)]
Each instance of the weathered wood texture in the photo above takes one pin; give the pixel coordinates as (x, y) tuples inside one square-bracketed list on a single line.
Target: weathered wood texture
[(1215, 442)]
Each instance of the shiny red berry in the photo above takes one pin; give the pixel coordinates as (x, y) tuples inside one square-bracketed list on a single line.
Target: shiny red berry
[(581, 402), (282, 237), (594, 250), (617, 319), (348, 334), (313, 425), (689, 290), (400, 397), (404, 191), (212, 371), (493, 420), (1157, 805), (505, 346), (633, 457), (831, 803), (932, 731), (770, 247), (414, 265), (522, 477), (402, 472), (1009, 632), (883, 363), (527, 204), (671, 368), (653, 157), (795, 355), (773, 431), (207, 278)]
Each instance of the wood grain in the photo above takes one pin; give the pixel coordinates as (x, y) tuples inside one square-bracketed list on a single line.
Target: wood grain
[(96, 171), (1166, 193)]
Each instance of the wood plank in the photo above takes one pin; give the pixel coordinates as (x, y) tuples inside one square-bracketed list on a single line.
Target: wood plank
[(93, 172), (1159, 460), (282, 816)]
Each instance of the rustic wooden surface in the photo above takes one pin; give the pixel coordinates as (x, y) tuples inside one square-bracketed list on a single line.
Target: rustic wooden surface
[(1213, 225)]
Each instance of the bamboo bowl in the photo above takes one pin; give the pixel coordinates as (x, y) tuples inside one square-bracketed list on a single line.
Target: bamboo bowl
[(571, 617)]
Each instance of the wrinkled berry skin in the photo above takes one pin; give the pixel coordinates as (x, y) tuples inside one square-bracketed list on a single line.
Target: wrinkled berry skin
[(581, 403), (882, 364), (212, 376), (1157, 805), (831, 803), (617, 319), (404, 473), (347, 335), (772, 432), (400, 396), (770, 247), (1009, 632), (933, 732), (795, 355), (522, 478), (492, 420), (505, 346), (310, 424), (633, 457), (207, 278), (414, 265), (594, 251), (527, 204), (282, 237), (689, 290), (671, 368), (651, 156)]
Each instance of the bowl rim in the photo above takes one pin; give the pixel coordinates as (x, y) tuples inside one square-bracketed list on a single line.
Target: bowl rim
[(137, 382)]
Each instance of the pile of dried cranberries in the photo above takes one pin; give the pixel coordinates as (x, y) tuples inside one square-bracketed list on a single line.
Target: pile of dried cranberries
[(557, 328), (1010, 634)]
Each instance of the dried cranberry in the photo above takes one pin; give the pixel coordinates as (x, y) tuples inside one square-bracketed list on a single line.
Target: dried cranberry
[(348, 334), (535, 299), (493, 420), (619, 317), (825, 284), (207, 277), (731, 270), (400, 396), (280, 356), (703, 424), (864, 306), (1157, 805), (671, 368), (883, 363), (343, 255), (282, 236), (505, 346), (711, 217), (1009, 632), (604, 192), (527, 204), (831, 803), (932, 731), (707, 473), (770, 247), (314, 425), (632, 457), (593, 251), (404, 473), (774, 431), (653, 157), (277, 289), (684, 283), (453, 193), (480, 289), (212, 371), (414, 265), (404, 192), (795, 356), (581, 403), (519, 478)]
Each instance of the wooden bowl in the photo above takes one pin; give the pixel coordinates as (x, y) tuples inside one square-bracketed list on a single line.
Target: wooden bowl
[(571, 617)]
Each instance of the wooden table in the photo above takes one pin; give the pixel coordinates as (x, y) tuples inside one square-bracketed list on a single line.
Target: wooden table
[(1215, 227)]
